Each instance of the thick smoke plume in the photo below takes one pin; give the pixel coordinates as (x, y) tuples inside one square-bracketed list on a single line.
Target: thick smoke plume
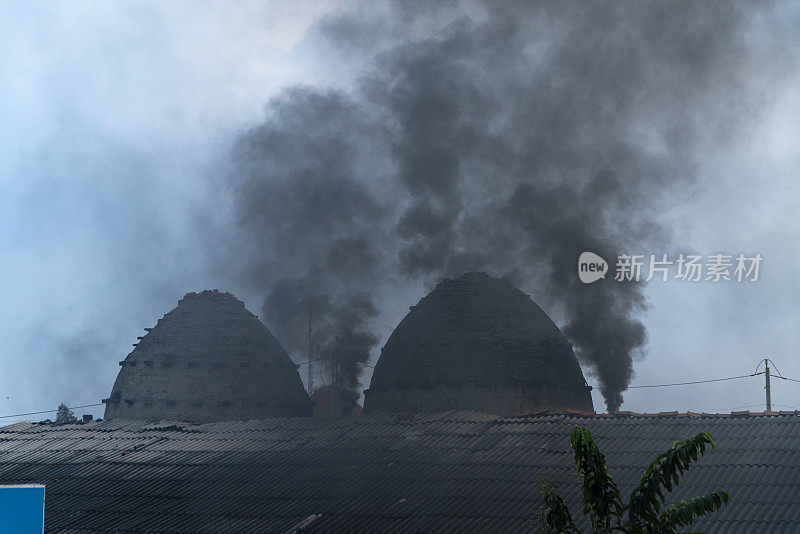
[(302, 183), (507, 138)]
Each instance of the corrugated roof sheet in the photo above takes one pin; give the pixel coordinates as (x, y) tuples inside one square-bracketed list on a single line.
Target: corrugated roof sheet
[(445, 472)]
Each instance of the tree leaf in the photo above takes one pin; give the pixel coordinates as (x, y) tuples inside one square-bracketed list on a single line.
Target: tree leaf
[(602, 501), (555, 513), (665, 471), (686, 512)]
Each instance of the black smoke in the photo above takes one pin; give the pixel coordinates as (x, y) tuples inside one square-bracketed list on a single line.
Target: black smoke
[(504, 137), (304, 185)]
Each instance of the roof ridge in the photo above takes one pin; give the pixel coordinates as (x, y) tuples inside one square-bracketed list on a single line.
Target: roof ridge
[(675, 413)]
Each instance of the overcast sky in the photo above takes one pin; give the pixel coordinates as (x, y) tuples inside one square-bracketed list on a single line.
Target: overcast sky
[(118, 120)]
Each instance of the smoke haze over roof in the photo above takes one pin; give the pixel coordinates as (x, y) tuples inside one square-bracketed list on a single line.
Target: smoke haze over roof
[(512, 143)]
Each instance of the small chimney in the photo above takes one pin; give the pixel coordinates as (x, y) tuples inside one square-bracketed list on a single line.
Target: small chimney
[(87, 417)]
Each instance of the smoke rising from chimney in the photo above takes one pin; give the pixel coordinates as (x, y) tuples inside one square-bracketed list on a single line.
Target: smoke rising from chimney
[(504, 139)]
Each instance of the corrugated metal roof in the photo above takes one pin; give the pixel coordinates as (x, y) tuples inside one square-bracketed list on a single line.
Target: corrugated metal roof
[(445, 472)]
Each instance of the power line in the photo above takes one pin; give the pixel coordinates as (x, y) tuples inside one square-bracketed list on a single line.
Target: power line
[(785, 378), (328, 358), (785, 406), (722, 410), (695, 382), (312, 361), (372, 366), (49, 411), (766, 362), (779, 375), (629, 387)]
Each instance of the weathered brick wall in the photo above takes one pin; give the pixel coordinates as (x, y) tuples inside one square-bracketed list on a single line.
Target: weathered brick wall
[(477, 343), (209, 359)]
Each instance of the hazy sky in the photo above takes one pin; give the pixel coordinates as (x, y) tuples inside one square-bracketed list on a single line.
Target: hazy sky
[(117, 124)]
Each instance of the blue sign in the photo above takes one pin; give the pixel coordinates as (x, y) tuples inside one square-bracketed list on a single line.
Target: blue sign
[(22, 509)]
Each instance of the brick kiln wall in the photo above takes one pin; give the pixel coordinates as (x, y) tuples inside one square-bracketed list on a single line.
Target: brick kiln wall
[(477, 343), (207, 360)]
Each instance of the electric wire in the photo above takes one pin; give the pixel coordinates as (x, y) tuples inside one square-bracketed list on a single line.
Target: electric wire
[(312, 361), (49, 411), (786, 378), (695, 382), (300, 364), (723, 410), (328, 358)]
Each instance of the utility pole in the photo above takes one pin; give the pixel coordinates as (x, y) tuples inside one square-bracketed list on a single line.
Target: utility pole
[(310, 351), (766, 387), (333, 378)]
